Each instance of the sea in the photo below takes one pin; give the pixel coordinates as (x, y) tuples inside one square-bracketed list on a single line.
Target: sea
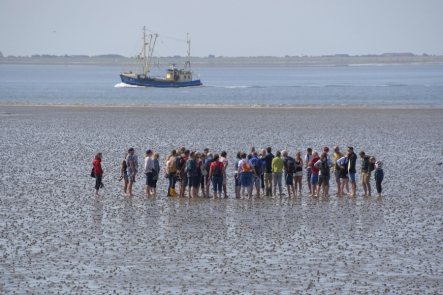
[(409, 86)]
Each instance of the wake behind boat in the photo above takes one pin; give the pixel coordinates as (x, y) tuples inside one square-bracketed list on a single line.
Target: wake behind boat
[(174, 77)]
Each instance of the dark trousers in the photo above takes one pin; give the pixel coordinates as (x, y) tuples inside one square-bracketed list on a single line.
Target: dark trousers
[(378, 186), (98, 181), (262, 180), (172, 180)]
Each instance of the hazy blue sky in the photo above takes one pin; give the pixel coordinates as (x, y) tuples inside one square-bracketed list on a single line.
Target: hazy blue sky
[(228, 28)]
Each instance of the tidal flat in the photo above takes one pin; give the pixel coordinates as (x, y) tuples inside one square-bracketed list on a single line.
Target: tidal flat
[(56, 238)]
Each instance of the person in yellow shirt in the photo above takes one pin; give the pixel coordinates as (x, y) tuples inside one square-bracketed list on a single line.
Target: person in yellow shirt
[(277, 170)]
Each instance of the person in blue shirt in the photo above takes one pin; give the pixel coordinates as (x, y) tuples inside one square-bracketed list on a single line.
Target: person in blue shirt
[(258, 168)]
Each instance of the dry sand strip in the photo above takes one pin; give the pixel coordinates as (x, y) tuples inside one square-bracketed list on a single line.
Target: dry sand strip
[(55, 237)]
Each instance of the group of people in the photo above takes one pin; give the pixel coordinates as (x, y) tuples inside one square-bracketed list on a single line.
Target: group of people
[(195, 172)]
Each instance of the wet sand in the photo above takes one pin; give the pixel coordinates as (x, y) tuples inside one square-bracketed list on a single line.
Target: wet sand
[(55, 237)]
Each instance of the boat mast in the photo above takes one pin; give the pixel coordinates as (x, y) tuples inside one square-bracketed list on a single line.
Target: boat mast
[(188, 61), (150, 53)]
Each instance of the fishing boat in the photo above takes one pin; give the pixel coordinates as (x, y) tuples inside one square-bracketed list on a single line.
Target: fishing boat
[(173, 77)]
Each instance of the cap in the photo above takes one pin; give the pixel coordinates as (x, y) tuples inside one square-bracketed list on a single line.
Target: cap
[(130, 150), (326, 149), (149, 151), (206, 149)]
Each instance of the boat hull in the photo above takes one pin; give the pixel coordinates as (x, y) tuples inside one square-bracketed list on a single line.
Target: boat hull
[(158, 83)]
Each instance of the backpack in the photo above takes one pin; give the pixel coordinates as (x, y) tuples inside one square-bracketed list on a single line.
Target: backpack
[(257, 167), (246, 167), (291, 166), (217, 171), (324, 167), (178, 163), (171, 167), (189, 165)]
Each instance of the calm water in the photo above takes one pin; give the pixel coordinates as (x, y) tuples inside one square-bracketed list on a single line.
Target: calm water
[(403, 86)]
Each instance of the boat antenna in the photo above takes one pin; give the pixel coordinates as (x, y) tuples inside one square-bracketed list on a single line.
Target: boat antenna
[(188, 61)]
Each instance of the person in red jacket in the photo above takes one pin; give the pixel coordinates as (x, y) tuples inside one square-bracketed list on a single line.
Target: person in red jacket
[(98, 173)]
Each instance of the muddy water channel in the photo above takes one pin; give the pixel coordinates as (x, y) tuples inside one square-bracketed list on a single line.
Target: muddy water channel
[(55, 237)]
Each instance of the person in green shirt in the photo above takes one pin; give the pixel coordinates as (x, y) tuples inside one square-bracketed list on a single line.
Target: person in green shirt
[(277, 169)]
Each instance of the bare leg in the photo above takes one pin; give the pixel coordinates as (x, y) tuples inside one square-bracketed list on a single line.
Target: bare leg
[(125, 186)]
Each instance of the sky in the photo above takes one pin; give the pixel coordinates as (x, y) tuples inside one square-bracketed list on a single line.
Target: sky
[(222, 28)]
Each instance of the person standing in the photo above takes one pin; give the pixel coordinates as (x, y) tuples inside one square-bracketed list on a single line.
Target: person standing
[(149, 166), (324, 165), (225, 162), (98, 173), (352, 162), (262, 177), (277, 170), (298, 173), (343, 166), (379, 175), (191, 170), (208, 162), (171, 172), (365, 173), (314, 174), (124, 175), (289, 168), (245, 175), (132, 163), (257, 164), (268, 172), (237, 180), (180, 164), (155, 175), (336, 168), (216, 175), (308, 159), (203, 173)]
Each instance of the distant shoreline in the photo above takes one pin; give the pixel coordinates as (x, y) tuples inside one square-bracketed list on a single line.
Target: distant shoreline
[(231, 61)]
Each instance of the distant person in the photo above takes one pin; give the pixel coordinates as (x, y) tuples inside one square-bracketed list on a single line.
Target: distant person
[(245, 175), (191, 170), (268, 172), (379, 175), (365, 174), (149, 166), (342, 164), (324, 165), (252, 153), (257, 164), (308, 159), (262, 177), (155, 175), (171, 172), (98, 173), (132, 163), (314, 175), (225, 162), (180, 164), (277, 171), (298, 176), (352, 162), (124, 175), (236, 178), (208, 162), (289, 168), (203, 173), (216, 175), (336, 168)]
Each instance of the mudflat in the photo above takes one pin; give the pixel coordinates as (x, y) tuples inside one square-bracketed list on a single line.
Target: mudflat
[(55, 237)]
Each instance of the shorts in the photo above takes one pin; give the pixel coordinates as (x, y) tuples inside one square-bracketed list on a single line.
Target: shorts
[(224, 178), (237, 180), (289, 180), (193, 181), (277, 177), (256, 180), (183, 179), (149, 180), (125, 176), (308, 174), (132, 179), (298, 174), (337, 175), (314, 179), (365, 177), (351, 177), (324, 180), (245, 179)]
